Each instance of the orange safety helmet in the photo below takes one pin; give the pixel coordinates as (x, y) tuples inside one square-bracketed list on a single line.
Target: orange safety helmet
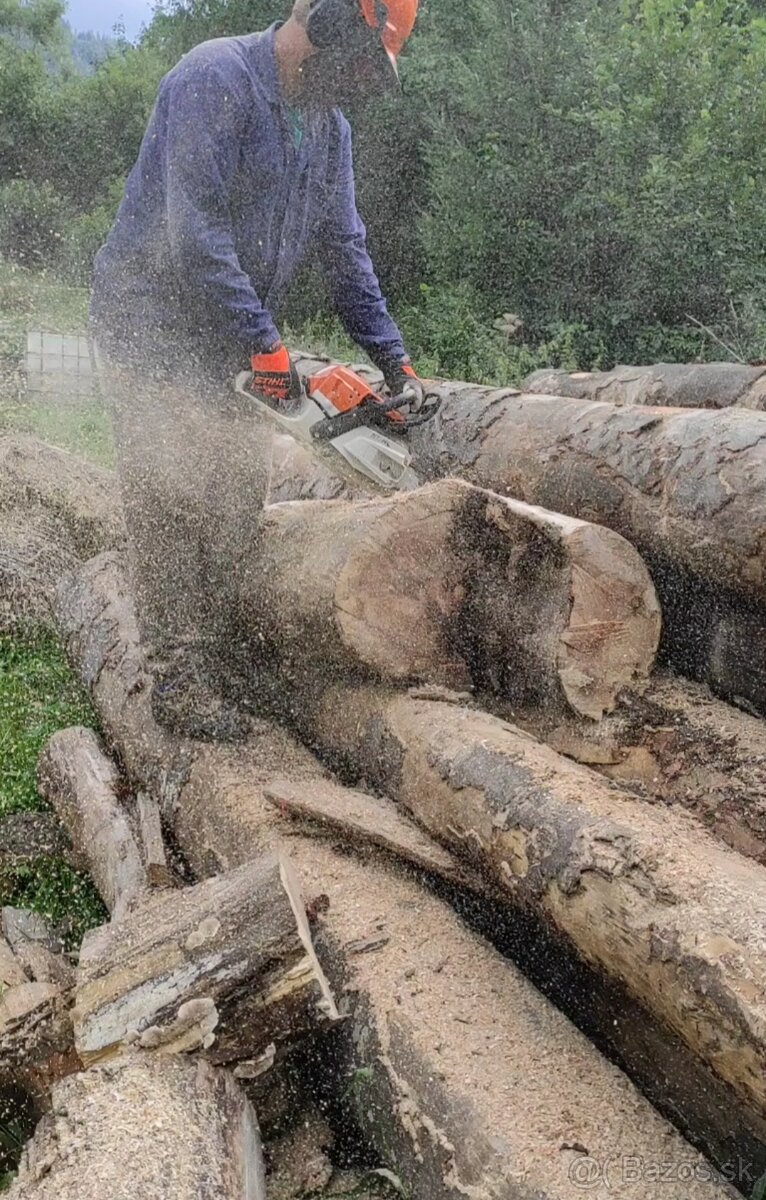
[(398, 26)]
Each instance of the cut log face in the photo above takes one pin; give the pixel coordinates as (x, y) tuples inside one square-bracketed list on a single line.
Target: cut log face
[(81, 783), (696, 385), (451, 583), (228, 967), (643, 893), (145, 1126)]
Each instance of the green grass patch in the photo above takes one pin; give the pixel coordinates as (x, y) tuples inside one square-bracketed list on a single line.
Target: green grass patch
[(82, 429), (39, 696)]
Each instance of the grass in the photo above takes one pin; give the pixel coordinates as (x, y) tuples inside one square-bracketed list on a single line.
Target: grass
[(38, 697), (29, 301)]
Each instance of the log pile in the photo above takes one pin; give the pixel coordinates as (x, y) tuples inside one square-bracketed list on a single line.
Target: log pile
[(474, 843)]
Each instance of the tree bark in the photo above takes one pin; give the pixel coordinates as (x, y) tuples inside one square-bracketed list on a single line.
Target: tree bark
[(675, 745), (228, 966), (56, 512), (448, 1100), (450, 585), (643, 893), (693, 385), (145, 1126), (82, 785)]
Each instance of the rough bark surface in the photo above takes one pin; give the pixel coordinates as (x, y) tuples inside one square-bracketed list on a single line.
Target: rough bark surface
[(145, 1126), (449, 583), (81, 783), (462, 1077), (642, 892), (675, 744), (227, 966), (692, 385), (56, 512)]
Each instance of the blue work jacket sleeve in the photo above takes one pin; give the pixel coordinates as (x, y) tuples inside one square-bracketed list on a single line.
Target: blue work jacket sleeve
[(350, 275), (206, 121)]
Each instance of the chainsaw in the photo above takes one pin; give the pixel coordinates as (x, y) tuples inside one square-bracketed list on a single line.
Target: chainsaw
[(357, 433)]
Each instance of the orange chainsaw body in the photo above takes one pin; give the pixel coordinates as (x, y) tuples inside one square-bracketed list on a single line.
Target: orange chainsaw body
[(340, 390)]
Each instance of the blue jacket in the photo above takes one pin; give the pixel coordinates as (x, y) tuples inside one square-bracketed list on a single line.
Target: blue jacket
[(221, 207)]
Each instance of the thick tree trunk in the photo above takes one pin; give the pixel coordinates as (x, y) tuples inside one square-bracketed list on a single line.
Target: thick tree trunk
[(693, 385), (448, 585), (228, 966), (643, 893), (81, 783), (145, 1126), (461, 1076), (675, 744)]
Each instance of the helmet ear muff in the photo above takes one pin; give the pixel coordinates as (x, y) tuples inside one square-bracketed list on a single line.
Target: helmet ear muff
[(332, 23)]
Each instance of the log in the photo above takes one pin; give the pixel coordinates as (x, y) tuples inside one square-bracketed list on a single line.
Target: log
[(689, 487), (452, 585), (145, 1126), (228, 966), (642, 893), (675, 385), (153, 855), (56, 512), (676, 745), (77, 779), (359, 819), (451, 1106)]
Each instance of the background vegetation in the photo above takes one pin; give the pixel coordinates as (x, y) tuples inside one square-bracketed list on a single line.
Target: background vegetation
[(596, 167)]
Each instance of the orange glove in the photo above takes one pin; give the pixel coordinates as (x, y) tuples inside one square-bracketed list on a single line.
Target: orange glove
[(275, 376)]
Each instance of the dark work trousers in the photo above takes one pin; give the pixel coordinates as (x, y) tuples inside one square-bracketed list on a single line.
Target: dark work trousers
[(194, 463)]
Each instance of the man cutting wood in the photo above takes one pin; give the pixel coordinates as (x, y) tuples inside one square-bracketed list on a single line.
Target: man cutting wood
[(245, 166)]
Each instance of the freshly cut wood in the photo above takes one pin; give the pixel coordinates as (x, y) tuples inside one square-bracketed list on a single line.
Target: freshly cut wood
[(228, 966), (56, 511), (692, 385), (451, 583), (675, 744), (361, 819), (81, 783), (145, 1126), (36, 1038), (458, 1067), (642, 893)]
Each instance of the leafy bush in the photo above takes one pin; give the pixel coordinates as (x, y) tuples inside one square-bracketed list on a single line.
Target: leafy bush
[(32, 222)]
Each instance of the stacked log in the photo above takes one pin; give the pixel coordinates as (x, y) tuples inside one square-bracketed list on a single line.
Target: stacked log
[(459, 1071), (672, 385), (451, 585)]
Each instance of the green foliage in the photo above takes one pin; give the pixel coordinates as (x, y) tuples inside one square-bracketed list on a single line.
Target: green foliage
[(32, 221), (597, 167), (39, 696)]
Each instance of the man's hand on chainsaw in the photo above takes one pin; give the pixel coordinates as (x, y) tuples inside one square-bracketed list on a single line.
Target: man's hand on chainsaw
[(401, 379), (275, 376)]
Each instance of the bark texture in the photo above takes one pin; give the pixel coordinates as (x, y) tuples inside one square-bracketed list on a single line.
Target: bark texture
[(82, 785), (56, 512), (643, 893), (148, 1127), (675, 385), (449, 584), (228, 967), (676, 745), (461, 1075)]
